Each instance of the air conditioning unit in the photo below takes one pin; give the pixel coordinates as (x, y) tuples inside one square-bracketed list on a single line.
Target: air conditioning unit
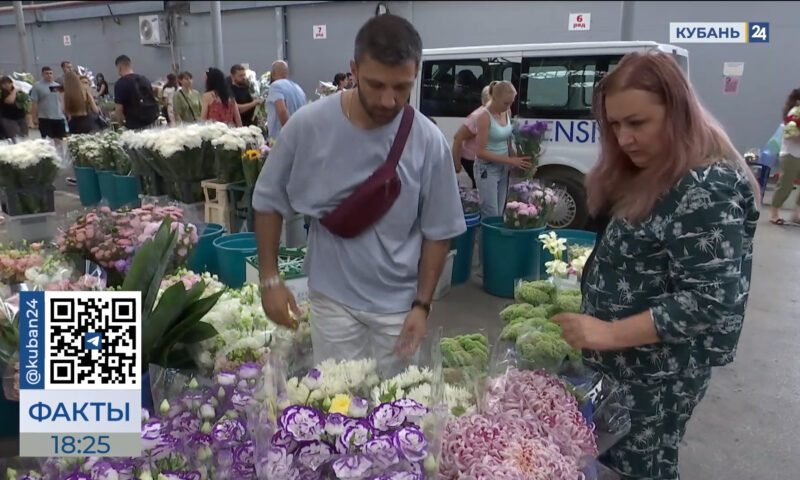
[(153, 30)]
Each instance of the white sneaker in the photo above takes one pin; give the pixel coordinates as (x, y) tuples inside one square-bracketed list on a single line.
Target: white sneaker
[(71, 181)]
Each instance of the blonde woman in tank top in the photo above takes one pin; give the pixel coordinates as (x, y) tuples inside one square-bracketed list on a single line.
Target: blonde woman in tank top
[(495, 154)]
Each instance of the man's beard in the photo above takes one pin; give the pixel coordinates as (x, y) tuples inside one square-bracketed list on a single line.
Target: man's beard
[(367, 108)]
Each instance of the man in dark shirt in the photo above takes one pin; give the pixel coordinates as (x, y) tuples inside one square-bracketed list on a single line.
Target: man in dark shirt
[(241, 92), (136, 107)]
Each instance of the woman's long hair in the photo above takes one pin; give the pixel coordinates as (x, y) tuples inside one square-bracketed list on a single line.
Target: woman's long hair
[(215, 82), (692, 138), (172, 81), (74, 95), (791, 101)]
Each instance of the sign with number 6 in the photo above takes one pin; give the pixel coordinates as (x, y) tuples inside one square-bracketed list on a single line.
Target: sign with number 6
[(580, 21)]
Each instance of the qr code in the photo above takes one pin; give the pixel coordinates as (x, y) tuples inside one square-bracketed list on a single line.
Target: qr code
[(93, 339)]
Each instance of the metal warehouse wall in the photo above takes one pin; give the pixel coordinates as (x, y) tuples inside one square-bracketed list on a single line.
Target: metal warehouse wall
[(750, 116)]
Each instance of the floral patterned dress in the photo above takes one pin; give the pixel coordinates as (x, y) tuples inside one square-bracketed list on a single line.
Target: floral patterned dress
[(689, 263)]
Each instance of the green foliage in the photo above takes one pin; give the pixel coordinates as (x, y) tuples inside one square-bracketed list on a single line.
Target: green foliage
[(535, 293), (564, 304), (518, 311), (175, 320), (544, 349)]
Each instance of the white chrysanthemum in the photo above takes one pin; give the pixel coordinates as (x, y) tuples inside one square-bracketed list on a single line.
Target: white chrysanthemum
[(28, 153)]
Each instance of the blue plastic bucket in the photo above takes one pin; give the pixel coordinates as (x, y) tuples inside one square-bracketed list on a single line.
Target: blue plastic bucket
[(232, 252), (204, 256), (573, 237), (126, 191), (508, 255), (105, 179), (88, 186)]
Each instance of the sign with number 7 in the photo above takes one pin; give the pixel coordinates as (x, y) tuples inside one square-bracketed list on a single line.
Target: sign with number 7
[(320, 32)]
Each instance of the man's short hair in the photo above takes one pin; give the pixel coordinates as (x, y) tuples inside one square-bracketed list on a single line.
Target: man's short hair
[(123, 60), (64, 63), (183, 75), (237, 68), (390, 40), (46, 69)]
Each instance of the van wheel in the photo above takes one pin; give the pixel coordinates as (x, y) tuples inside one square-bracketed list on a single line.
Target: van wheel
[(572, 212)]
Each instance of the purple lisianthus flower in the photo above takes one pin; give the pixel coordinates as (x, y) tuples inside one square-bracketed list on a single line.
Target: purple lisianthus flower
[(249, 371), (386, 417), (358, 407), (241, 400), (151, 431), (226, 379), (228, 431), (191, 399), (282, 439), (104, 471), (244, 453), (124, 469), (224, 457), (351, 466), (313, 380), (279, 464), (78, 476), (184, 424), (381, 452), (145, 415), (415, 468), (181, 475), (412, 409), (335, 424), (166, 446), (197, 440), (244, 472), (402, 476), (315, 454), (411, 444), (354, 436), (304, 424)]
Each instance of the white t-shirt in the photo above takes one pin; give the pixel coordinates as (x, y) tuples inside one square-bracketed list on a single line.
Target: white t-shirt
[(790, 146)]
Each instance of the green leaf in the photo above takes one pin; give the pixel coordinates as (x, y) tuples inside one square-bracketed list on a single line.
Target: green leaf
[(178, 358), (199, 332), (170, 307), (149, 265), (187, 320)]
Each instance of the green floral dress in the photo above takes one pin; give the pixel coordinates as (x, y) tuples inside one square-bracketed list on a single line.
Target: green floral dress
[(689, 263)]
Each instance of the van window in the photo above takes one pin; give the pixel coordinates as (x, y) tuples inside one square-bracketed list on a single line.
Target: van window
[(452, 88), (560, 87)]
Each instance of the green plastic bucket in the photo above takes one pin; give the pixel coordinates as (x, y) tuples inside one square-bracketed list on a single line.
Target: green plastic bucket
[(232, 252), (573, 237), (105, 179), (203, 257), (508, 255), (464, 245), (88, 186), (126, 192)]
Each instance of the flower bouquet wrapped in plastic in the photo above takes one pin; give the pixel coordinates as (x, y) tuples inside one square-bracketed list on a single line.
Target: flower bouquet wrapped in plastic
[(30, 164), (345, 420), (253, 161), (470, 200), (529, 138), (530, 205)]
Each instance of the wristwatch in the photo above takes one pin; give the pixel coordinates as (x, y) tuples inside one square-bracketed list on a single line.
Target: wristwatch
[(423, 305)]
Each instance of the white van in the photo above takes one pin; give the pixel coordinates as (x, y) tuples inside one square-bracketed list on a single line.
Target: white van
[(555, 82)]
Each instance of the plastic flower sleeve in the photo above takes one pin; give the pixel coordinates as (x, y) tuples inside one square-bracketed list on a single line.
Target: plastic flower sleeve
[(347, 419)]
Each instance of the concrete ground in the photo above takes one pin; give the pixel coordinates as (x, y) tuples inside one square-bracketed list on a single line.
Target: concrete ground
[(746, 427)]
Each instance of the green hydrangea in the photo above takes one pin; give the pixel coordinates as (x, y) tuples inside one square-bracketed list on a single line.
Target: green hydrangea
[(544, 349), (518, 311), (516, 330), (465, 351), (535, 293), (568, 304), (573, 292)]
